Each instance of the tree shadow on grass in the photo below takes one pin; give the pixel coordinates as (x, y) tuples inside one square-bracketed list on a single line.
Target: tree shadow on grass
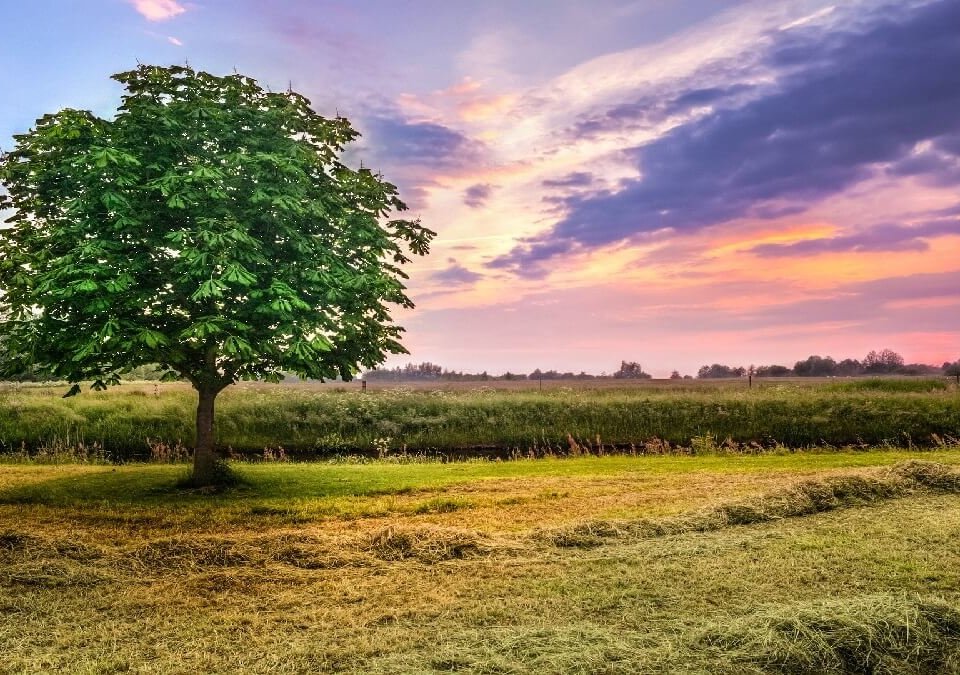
[(148, 485), (134, 486)]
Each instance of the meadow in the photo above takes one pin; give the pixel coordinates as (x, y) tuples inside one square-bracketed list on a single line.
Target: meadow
[(308, 421), (662, 528)]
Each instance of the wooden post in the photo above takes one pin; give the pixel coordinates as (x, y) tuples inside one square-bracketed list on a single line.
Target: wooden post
[(363, 385)]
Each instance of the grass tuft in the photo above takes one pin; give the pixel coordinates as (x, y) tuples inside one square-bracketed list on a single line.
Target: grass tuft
[(872, 634)]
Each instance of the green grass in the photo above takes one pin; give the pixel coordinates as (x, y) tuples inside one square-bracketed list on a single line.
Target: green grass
[(803, 562), (130, 420)]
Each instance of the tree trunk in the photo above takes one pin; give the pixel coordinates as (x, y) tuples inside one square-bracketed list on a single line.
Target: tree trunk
[(204, 454)]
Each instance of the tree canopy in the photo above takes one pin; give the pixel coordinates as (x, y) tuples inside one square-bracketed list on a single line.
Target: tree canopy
[(209, 227)]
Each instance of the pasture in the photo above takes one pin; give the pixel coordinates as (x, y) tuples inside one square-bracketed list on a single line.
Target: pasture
[(684, 535)]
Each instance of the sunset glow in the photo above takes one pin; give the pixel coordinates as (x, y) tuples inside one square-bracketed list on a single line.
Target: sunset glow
[(672, 183)]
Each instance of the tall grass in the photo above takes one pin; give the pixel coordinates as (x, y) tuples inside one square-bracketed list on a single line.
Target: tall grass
[(132, 422)]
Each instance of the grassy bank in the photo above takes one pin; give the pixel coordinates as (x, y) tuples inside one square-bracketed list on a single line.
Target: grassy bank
[(840, 562), (130, 420)]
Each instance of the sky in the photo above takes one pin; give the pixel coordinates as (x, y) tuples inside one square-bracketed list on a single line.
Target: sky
[(674, 182)]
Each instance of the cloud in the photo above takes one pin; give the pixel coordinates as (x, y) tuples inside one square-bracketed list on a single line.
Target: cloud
[(158, 10), (577, 179), (844, 103), (401, 141), (456, 275), (650, 109), (174, 41), (476, 196), (886, 237)]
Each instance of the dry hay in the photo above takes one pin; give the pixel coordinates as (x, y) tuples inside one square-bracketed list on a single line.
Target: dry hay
[(805, 498), (427, 544), (869, 634), (188, 554)]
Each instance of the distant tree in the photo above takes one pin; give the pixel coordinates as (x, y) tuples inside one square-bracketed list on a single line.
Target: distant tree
[(631, 370), (773, 371), (917, 369), (815, 366), (548, 375), (952, 369), (718, 370), (675, 375), (421, 371), (208, 227), (882, 362), (849, 367)]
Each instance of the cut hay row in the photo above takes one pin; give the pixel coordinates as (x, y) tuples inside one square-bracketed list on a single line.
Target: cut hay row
[(803, 499)]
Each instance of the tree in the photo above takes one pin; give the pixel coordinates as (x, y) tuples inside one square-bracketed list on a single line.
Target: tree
[(773, 371), (849, 367), (885, 361), (718, 370), (815, 366), (211, 228), (631, 370)]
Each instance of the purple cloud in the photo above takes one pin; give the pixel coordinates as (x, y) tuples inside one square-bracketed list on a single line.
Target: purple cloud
[(844, 103), (476, 196), (577, 179), (456, 275), (401, 142)]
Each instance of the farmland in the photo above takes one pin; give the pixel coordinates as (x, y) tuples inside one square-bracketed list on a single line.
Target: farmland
[(705, 551)]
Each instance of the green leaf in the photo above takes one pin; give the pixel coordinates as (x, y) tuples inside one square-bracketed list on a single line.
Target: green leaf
[(152, 338), (211, 288)]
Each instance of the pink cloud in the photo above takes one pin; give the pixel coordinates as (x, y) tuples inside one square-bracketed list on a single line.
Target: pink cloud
[(174, 41), (158, 10)]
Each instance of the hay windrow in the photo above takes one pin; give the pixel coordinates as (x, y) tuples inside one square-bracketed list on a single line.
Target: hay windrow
[(803, 499), (15, 545), (47, 574), (188, 554), (870, 634), (427, 544)]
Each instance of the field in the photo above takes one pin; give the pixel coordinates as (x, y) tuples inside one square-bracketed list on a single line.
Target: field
[(844, 562), (691, 554), (489, 419)]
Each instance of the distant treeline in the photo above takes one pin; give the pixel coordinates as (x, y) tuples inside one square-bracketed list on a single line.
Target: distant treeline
[(884, 362)]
